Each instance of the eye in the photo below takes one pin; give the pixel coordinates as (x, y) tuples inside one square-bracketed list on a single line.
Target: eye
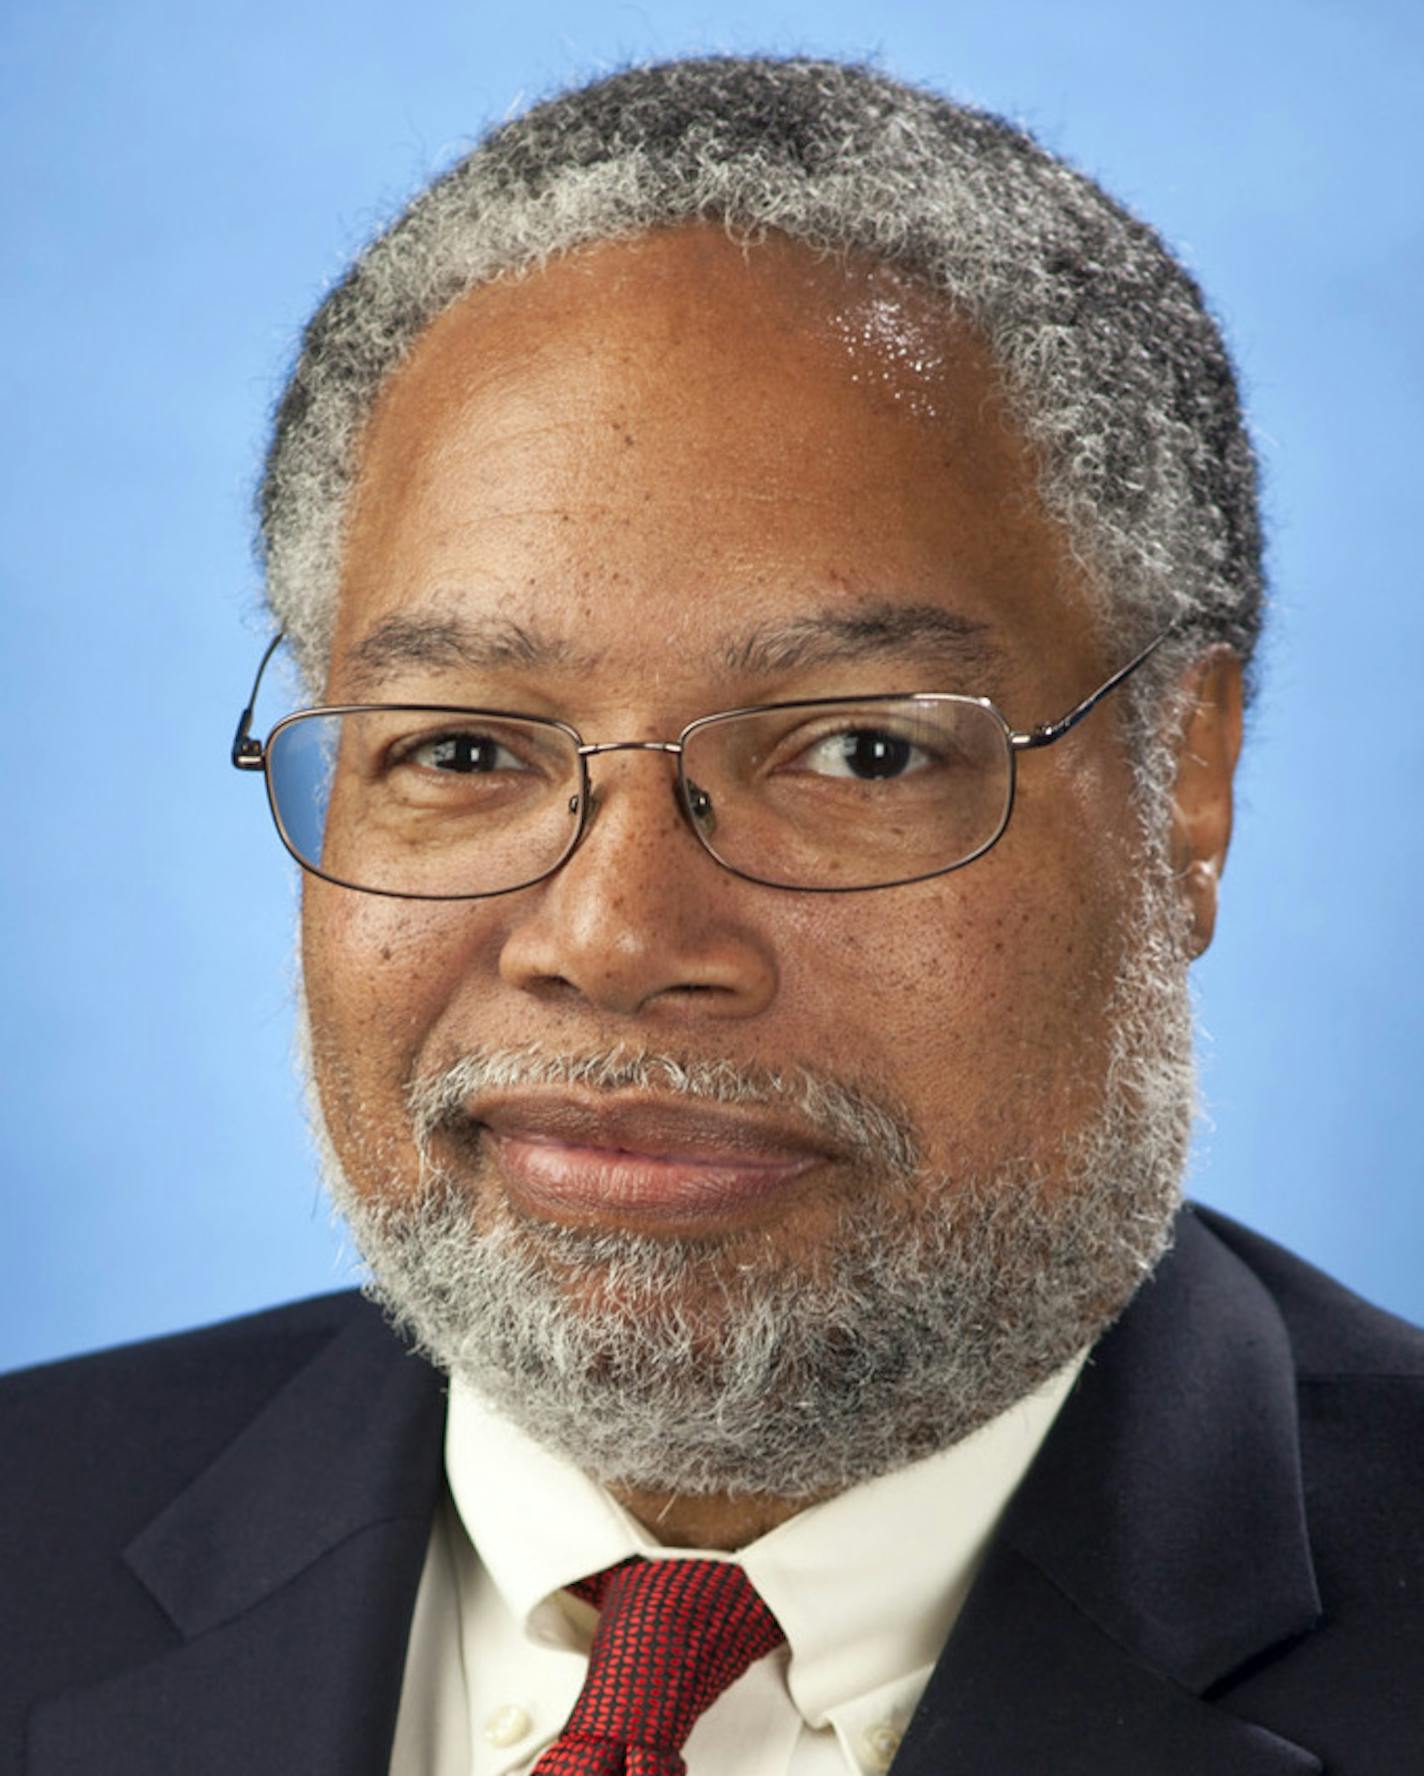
[(457, 751), (462, 753), (864, 753)]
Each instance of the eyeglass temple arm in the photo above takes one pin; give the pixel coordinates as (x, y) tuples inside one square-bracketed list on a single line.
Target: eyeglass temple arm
[(1047, 732), (247, 752)]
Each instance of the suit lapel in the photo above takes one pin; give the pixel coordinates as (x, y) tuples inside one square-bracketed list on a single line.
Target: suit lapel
[(1156, 1546), (1029, 1683), (288, 1570)]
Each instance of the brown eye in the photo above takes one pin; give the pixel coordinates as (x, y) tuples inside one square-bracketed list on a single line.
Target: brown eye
[(461, 752), (866, 754), (464, 753)]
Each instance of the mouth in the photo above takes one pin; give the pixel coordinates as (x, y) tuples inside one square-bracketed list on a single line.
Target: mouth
[(645, 1160)]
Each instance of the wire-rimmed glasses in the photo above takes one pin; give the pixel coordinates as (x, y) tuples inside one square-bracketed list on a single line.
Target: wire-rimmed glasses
[(825, 795)]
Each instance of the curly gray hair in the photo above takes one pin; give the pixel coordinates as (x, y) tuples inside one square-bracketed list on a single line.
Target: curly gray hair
[(1109, 358)]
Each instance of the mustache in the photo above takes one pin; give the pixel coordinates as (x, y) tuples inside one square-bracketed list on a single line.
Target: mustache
[(869, 1128)]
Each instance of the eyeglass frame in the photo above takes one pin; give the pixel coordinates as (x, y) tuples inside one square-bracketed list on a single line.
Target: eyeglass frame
[(251, 754)]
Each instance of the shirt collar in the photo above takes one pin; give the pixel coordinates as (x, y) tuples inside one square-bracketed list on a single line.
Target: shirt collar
[(866, 1585)]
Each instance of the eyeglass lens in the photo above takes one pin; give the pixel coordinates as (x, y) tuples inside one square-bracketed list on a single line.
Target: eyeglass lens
[(855, 794)]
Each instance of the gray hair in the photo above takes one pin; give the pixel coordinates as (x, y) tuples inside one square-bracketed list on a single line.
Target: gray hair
[(1110, 361)]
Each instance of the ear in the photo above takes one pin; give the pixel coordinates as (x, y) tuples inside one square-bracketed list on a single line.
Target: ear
[(1202, 797)]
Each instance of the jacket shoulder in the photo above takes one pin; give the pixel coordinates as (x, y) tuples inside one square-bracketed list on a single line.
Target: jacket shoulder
[(1332, 1330), (99, 1442), (1348, 1688), (98, 1452)]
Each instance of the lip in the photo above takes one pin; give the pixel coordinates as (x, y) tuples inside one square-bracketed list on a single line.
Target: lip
[(642, 1160)]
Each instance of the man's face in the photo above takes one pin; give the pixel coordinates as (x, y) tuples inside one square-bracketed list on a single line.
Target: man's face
[(617, 491)]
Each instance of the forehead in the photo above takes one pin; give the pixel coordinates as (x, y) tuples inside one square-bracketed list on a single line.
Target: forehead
[(652, 447)]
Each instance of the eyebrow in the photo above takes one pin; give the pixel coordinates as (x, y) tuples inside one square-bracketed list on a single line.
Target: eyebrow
[(872, 632), (455, 644)]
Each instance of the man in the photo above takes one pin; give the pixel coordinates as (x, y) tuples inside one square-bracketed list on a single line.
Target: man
[(775, 560)]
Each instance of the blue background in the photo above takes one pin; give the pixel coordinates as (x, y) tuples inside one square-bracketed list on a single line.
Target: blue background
[(180, 182)]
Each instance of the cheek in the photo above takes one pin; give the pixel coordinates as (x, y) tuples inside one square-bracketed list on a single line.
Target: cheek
[(979, 999), (378, 972), (964, 964)]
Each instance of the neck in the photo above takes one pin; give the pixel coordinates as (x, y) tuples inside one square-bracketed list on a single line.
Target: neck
[(710, 1520)]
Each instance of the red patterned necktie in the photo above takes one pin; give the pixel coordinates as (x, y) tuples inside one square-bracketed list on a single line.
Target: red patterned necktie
[(672, 1635)]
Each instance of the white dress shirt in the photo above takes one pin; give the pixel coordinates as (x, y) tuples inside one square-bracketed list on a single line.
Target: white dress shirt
[(866, 1586)]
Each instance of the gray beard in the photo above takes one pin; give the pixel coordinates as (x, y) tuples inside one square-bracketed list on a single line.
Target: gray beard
[(688, 1366)]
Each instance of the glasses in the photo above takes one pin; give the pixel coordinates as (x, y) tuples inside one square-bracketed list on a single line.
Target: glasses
[(832, 795)]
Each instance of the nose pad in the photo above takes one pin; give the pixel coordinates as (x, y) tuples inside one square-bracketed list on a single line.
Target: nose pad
[(699, 806)]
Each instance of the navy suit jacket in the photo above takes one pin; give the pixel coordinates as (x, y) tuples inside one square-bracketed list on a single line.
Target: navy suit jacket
[(212, 1543)]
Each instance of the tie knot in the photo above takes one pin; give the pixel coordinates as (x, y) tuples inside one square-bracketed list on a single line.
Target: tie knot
[(671, 1636)]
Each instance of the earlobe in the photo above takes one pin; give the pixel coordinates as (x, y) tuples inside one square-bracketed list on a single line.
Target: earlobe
[(1202, 795), (1198, 886)]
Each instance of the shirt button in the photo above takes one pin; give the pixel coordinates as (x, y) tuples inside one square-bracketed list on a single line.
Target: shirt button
[(880, 1743), (507, 1725)]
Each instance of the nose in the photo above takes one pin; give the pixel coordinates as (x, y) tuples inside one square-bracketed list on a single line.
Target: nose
[(640, 917)]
